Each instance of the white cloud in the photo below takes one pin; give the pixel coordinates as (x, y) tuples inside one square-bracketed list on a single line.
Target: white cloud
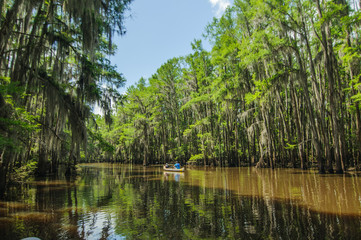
[(220, 6)]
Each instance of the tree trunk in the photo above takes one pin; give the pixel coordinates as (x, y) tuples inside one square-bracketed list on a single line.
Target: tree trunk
[(309, 107), (8, 23), (297, 121), (146, 146), (332, 96)]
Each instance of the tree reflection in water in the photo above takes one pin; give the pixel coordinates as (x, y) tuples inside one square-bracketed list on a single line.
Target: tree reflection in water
[(127, 202)]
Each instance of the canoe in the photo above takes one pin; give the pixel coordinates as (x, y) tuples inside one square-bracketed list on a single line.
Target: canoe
[(170, 169)]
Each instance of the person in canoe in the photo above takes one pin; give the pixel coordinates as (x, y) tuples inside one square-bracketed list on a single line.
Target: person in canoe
[(175, 168), (167, 165), (177, 165)]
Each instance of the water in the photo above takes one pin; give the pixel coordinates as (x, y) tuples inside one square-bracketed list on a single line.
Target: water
[(133, 202)]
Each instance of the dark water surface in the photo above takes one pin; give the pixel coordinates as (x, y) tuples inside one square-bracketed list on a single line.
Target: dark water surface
[(133, 202)]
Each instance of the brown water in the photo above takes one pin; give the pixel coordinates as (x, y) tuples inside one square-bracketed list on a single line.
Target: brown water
[(134, 202)]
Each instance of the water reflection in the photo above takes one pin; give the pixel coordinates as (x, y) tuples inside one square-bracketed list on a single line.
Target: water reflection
[(134, 202), (338, 194), (176, 176)]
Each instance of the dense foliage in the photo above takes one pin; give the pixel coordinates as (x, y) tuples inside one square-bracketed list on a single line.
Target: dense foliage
[(280, 87), (53, 70)]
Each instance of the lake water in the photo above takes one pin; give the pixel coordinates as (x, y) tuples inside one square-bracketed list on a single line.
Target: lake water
[(111, 201)]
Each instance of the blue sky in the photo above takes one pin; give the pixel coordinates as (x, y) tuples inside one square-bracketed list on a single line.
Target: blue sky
[(159, 30)]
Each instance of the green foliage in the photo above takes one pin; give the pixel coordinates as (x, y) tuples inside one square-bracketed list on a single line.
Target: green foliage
[(200, 99), (290, 146), (6, 142), (265, 80), (102, 143), (278, 70), (195, 158), (54, 68), (25, 171)]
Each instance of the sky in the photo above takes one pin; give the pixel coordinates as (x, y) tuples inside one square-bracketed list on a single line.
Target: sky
[(158, 30)]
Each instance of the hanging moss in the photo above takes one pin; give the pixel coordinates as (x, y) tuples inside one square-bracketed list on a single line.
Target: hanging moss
[(54, 51)]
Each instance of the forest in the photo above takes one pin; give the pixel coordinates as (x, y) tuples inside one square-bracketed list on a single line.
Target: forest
[(280, 87), (54, 68)]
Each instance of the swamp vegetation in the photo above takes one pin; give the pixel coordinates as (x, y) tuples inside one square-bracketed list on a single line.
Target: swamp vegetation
[(279, 88), (53, 70)]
